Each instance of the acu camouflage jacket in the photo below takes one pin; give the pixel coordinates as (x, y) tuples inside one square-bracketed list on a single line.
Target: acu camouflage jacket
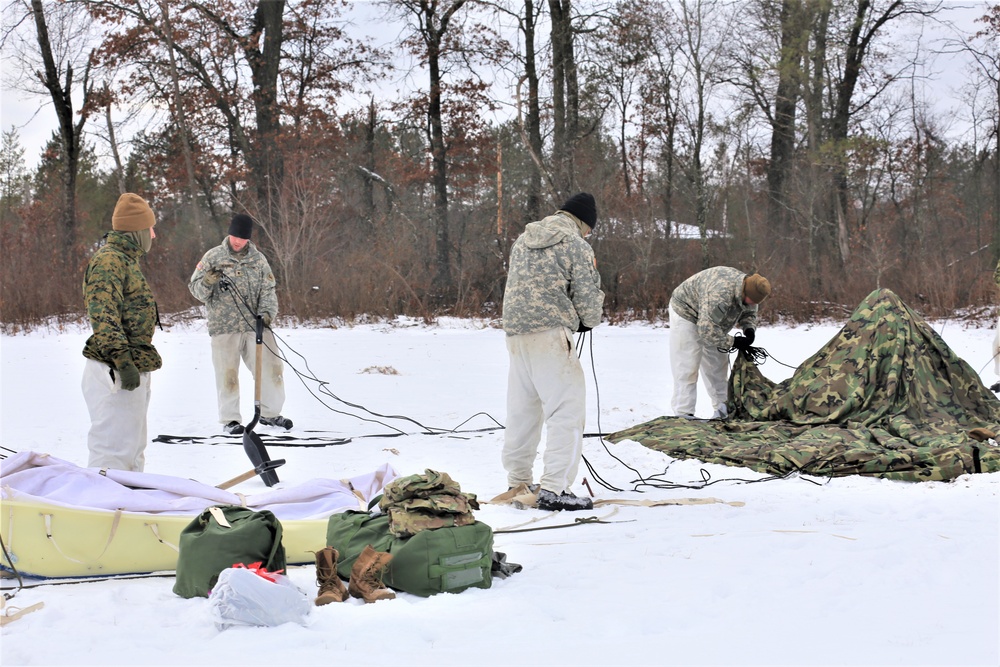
[(552, 280), (120, 306), (253, 282), (713, 300)]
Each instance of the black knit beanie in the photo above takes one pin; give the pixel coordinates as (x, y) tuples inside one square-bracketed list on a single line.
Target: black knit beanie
[(583, 206), (241, 226)]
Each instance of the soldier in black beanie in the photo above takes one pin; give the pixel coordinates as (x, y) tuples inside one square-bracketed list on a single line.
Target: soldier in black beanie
[(553, 289), (583, 206), (241, 226), (235, 282)]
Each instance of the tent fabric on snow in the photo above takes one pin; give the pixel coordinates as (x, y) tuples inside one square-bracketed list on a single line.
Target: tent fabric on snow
[(885, 397)]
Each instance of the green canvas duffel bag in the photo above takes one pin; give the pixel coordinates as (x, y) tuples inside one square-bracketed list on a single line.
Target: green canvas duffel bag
[(442, 560), (221, 537)]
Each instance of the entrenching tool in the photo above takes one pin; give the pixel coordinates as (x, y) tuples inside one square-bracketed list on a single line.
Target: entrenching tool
[(252, 443), (257, 470)]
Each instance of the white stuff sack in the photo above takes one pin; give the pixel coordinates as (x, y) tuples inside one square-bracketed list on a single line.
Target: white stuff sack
[(242, 597)]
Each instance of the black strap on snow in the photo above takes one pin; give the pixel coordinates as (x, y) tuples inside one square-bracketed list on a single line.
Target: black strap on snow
[(576, 522), (288, 440), (277, 440)]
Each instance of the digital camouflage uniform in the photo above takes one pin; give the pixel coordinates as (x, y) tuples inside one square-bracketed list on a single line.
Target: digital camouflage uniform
[(703, 309), (123, 315), (553, 288), (425, 502), (231, 324)]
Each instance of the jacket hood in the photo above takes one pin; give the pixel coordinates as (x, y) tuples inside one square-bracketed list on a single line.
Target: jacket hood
[(126, 242), (550, 231)]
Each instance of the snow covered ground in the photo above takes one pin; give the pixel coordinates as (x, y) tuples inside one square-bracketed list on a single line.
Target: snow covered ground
[(847, 571)]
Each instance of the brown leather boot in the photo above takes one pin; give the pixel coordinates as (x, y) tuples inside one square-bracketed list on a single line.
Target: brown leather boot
[(366, 576), (331, 588)]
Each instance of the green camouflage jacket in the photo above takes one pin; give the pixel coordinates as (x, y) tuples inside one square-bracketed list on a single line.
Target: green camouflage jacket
[(996, 274), (253, 282), (713, 300), (552, 280), (120, 306)]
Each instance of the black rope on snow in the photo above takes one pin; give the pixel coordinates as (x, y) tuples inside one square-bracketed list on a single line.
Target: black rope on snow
[(323, 385), (13, 568), (593, 471), (758, 356), (96, 578), (576, 522)]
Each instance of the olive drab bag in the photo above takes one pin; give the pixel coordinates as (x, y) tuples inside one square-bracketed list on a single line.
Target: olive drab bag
[(221, 537), (441, 560)]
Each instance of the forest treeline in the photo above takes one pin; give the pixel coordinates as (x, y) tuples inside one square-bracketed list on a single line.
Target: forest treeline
[(788, 137)]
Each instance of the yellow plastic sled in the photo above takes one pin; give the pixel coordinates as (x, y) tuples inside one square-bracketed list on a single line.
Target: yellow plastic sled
[(46, 540)]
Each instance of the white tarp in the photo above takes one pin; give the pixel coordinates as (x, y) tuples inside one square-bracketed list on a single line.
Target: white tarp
[(30, 476)]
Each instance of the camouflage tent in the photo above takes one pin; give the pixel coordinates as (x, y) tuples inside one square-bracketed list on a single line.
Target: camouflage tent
[(885, 397)]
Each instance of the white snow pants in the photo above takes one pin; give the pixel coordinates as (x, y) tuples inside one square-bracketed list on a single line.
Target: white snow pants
[(688, 355), (227, 349), (117, 436), (545, 385)]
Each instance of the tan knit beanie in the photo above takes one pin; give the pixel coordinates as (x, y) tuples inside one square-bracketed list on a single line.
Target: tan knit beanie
[(756, 287), (132, 214)]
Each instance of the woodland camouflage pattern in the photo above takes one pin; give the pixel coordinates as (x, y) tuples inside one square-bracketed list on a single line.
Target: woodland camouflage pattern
[(427, 501), (885, 397), (713, 300), (120, 306), (252, 279), (553, 280)]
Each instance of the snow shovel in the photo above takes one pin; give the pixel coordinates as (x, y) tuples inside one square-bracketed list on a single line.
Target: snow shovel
[(252, 443)]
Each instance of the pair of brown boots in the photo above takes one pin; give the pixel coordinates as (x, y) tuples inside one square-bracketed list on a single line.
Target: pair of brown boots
[(366, 577)]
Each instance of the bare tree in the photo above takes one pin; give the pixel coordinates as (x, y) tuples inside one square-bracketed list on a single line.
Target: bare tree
[(216, 44), (704, 29), (620, 61), (439, 37), (984, 46), (59, 62)]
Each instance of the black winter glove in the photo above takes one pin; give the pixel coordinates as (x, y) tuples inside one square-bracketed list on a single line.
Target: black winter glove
[(741, 343), (582, 329), (750, 334), (129, 375), (211, 277)]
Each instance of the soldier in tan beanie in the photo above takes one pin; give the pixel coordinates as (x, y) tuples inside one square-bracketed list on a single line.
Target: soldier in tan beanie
[(120, 355), (703, 309)]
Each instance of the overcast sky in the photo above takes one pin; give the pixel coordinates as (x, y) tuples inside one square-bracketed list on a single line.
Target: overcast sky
[(34, 118)]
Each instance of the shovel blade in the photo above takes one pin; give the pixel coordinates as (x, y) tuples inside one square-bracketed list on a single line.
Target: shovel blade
[(254, 447)]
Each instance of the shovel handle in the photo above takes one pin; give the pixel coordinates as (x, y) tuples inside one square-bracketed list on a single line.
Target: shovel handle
[(260, 360), (236, 480), (258, 369)]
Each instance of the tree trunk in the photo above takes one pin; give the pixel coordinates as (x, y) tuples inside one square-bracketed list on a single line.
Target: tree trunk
[(69, 133), (814, 138), (565, 98), (267, 161), (369, 185), (785, 104), (180, 118), (439, 176), (534, 116)]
